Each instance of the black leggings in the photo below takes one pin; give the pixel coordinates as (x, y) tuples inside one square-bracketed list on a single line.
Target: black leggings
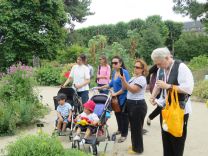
[(137, 111), (155, 112), (174, 146), (123, 122)]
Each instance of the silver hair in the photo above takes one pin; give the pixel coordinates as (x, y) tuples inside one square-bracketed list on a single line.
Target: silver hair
[(160, 53)]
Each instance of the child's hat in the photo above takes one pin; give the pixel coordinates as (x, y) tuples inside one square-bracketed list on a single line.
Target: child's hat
[(61, 96), (90, 105)]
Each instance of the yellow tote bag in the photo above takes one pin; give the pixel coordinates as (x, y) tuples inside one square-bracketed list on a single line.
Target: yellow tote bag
[(173, 115)]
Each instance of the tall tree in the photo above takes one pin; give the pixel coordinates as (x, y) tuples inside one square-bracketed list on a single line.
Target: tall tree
[(193, 9), (78, 9), (175, 30), (31, 28)]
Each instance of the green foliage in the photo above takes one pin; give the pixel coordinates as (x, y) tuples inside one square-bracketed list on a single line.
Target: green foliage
[(191, 45), (69, 54), (37, 145), (175, 30), (31, 28), (201, 89), (40, 145), (199, 62), (78, 9), (150, 40), (18, 102), (192, 8)]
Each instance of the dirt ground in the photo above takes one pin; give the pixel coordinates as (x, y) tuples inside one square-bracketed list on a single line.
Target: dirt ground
[(196, 144)]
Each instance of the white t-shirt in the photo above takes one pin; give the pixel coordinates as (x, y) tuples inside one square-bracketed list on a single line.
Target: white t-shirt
[(91, 117), (186, 83), (142, 83), (80, 73)]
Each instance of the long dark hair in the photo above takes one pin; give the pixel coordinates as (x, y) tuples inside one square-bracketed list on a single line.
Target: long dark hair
[(120, 60), (83, 58)]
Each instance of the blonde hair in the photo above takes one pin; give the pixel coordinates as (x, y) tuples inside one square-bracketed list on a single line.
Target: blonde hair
[(144, 66)]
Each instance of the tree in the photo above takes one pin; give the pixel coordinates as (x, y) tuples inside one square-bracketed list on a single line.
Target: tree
[(150, 40), (78, 9), (175, 30), (134, 39), (190, 7), (193, 9), (31, 28), (191, 45)]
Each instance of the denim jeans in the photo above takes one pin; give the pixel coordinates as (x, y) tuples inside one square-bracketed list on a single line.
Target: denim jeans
[(84, 96)]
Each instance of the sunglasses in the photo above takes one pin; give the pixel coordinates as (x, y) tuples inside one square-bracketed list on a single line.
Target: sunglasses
[(138, 67), (115, 63)]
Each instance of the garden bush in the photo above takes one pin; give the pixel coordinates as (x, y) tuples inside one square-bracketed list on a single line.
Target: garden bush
[(199, 62), (52, 73), (201, 89), (40, 145), (19, 103)]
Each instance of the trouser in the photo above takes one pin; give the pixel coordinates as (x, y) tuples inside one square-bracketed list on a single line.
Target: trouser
[(103, 91), (155, 112), (84, 96), (123, 122), (137, 111), (174, 146)]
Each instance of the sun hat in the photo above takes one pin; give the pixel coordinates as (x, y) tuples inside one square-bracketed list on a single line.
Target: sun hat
[(90, 105)]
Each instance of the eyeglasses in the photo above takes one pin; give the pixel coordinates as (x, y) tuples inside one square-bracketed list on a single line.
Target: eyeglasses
[(115, 63), (138, 67)]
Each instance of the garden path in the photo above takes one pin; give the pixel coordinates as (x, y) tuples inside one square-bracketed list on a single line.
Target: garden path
[(196, 144)]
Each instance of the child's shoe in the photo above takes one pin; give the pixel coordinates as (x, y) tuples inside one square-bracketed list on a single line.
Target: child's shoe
[(82, 142)]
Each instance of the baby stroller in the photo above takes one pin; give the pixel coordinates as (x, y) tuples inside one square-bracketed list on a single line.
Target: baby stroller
[(74, 100), (102, 110)]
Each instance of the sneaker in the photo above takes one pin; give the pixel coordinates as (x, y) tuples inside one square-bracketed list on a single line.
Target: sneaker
[(76, 138), (82, 142), (148, 121)]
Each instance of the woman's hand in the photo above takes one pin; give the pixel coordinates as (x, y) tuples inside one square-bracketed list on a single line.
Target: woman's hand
[(114, 94), (77, 86), (162, 84)]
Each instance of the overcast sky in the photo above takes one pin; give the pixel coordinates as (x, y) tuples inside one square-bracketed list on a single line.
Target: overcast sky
[(113, 11)]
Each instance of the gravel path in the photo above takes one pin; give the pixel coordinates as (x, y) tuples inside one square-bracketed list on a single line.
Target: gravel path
[(196, 144)]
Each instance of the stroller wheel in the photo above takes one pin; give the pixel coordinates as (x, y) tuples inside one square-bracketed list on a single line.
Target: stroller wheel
[(113, 137), (93, 149)]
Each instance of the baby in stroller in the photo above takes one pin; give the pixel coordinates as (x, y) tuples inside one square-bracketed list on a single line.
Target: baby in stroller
[(87, 122), (64, 113)]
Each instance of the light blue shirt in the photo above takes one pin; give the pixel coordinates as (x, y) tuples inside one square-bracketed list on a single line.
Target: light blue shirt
[(64, 109)]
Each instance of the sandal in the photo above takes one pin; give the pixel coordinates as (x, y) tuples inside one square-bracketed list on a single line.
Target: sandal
[(121, 139)]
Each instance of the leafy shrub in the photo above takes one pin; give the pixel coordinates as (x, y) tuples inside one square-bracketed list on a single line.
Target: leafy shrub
[(18, 102), (201, 89), (52, 73), (48, 75), (37, 145), (199, 62), (69, 54), (40, 145)]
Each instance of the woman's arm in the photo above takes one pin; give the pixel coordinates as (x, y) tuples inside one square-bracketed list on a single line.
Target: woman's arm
[(67, 81), (87, 81)]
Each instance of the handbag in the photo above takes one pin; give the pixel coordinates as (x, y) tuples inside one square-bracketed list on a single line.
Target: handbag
[(173, 115), (115, 104)]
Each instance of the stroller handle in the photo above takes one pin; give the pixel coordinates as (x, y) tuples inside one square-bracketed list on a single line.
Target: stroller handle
[(97, 88)]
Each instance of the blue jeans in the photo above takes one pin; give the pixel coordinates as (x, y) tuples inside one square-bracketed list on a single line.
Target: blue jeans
[(103, 91), (84, 96)]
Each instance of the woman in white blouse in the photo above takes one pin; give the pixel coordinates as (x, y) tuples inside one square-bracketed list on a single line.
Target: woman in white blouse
[(136, 105)]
